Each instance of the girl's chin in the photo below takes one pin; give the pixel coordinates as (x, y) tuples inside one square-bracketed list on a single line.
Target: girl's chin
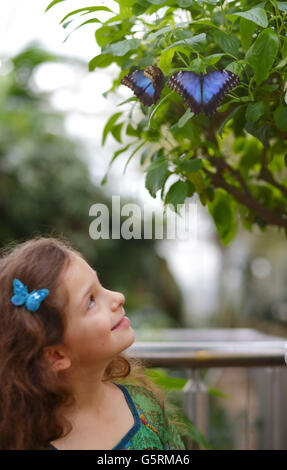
[(132, 337)]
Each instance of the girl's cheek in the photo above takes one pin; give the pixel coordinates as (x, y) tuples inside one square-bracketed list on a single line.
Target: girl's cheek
[(99, 325)]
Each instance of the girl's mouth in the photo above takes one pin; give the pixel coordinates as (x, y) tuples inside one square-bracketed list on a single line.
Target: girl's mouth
[(123, 322)]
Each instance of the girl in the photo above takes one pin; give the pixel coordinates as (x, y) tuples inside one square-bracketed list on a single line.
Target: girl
[(62, 339)]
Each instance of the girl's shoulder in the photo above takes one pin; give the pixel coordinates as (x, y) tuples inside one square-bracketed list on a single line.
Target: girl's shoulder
[(146, 401), (152, 414), (142, 394)]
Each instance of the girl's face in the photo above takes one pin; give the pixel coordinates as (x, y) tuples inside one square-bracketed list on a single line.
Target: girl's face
[(92, 315)]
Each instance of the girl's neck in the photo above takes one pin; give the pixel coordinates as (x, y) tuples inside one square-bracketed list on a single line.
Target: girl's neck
[(91, 399), (89, 391)]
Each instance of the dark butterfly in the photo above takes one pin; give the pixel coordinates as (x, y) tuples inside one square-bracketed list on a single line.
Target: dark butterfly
[(146, 84), (203, 92)]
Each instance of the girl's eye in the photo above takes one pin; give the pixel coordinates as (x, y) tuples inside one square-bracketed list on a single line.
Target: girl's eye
[(92, 299)]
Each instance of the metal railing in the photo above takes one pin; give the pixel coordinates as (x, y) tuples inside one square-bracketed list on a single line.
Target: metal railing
[(261, 355)]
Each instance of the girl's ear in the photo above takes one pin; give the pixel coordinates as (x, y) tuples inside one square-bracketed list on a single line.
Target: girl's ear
[(57, 358)]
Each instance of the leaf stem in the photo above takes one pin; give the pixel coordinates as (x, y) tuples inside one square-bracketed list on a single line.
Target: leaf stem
[(223, 14), (156, 108)]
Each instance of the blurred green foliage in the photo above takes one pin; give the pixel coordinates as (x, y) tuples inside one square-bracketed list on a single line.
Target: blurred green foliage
[(172, 387)]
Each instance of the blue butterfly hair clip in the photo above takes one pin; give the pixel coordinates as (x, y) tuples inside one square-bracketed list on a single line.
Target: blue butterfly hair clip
[(31, 301)]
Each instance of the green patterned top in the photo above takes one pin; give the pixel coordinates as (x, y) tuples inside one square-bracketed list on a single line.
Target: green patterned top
[(151, 429)]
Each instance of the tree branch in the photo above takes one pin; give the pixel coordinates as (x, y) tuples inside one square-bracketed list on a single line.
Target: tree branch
[(271, 217), (221, 164), (243, 197)]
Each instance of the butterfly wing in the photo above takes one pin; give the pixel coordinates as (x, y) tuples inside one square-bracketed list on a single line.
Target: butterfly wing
[(156, 76), (20, 293), (146, 84), (35, 298), (215, 86), (187, 84)]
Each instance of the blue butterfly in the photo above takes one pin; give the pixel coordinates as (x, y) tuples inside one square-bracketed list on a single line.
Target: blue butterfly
[(203, 92), (21, 296), (146, 84)]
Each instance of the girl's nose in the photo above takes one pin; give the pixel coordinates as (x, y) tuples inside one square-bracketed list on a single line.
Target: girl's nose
[(118, 300)]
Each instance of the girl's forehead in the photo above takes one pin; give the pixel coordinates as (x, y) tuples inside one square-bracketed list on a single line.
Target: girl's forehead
[(78, 272), (77, 277)]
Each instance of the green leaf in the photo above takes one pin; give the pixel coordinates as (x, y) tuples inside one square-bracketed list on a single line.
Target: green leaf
[(131, 131), (193, 433), (65, 25), (121, 48), (210, 193), (86, 10), (258, 130), (238, 144), (197, 65), (160, 32), (110, 124), (187, 42), (213, 58), (52, 4), (192, 165), (196, 179), (116, 154), (125, 6), (108, 34), (157, 172), (254, 111), (93, 20), (227, 119), (133, 153), (262, 54), (101, 60), (140, 7), (227, 42), (145, 154), (156, 108), (190, 188), (215, 392), (277, 163), (176, 194), (204, 21), (210, 2), (116, 132), (235, 67), (256, 15), (280, 117), (223, 211), (247, 29), (183, 120), (163, 380), (155, 2), (188, 131), (282, 63), (166, 60), (284, 48), (268, 88), (251, 155), (282, 6)]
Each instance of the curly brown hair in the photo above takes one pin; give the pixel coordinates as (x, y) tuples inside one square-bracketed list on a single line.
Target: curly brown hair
[(31, 392)]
